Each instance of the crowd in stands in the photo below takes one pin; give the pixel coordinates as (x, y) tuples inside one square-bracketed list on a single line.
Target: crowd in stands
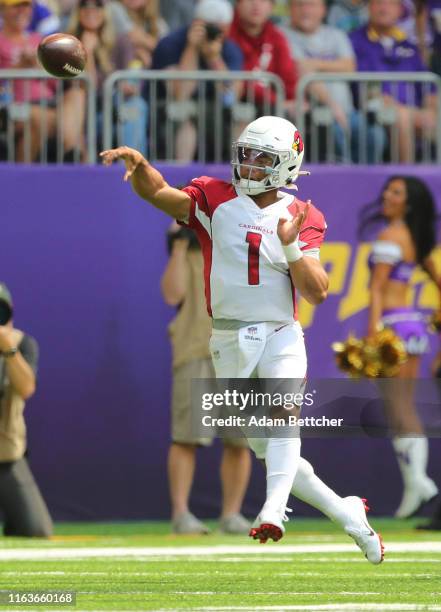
[(289, 38)]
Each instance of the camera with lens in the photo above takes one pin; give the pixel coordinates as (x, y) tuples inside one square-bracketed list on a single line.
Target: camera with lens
[(5, 313), (182, 234), (212, 31)]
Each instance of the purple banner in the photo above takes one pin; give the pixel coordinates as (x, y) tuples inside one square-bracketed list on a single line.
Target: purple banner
[(83, 257)]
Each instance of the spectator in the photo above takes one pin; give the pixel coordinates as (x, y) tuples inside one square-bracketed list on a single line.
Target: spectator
[(201, 46), (322, 48), (429, 28), (92, 23), (44, 20), (148, 28), (264, 46), (183, 286), (348, 15), (23, 100), (24, 510), (382, 46), (122, 24), (411, 22)]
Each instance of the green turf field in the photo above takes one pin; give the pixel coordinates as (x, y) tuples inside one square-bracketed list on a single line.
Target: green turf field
[(141, 566)]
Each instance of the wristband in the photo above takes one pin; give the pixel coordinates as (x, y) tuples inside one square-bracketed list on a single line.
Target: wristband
[(10, 353), (292, 251)]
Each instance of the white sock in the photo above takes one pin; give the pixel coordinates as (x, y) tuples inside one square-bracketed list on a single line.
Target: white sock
[(309, 488), (281, 459), (412, 455)]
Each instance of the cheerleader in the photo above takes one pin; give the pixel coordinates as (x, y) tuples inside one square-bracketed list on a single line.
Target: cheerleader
[(407, 240)]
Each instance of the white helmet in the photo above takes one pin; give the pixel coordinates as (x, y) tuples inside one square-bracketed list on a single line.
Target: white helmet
[(277, 138)]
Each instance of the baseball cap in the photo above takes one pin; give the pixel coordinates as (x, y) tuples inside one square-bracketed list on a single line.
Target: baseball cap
[(214, 11), (14, 2)]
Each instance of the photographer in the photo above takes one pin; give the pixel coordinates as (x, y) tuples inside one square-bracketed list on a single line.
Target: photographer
[(201, 46), (182, 285), (24, 510)]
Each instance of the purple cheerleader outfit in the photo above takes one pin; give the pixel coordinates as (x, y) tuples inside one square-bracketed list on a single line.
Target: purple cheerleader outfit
[(406, 322)]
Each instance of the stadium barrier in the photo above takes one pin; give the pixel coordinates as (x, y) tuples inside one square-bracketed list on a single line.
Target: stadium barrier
[(372, 134), (192, 115), (27, 117)]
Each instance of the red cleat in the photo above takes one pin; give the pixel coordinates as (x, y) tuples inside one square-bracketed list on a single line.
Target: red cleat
[(265, 532)]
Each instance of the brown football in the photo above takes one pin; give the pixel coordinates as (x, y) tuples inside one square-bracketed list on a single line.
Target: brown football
[(62, 55)]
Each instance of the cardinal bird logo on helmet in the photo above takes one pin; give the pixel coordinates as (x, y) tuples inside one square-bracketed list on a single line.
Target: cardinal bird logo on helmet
[(297, 145)]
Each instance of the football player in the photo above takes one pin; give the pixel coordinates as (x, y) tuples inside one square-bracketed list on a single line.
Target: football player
[(260, 245)]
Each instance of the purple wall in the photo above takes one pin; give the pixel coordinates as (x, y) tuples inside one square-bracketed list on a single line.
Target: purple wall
[(82, 256)]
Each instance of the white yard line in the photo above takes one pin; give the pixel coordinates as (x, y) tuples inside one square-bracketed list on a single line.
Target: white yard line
[(206, 551), (352, 607), (294, 574)]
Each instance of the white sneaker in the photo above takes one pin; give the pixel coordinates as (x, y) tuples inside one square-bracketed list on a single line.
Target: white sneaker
[(234, 524), (187, 523), (269, 524), (359, 529), (415, 496)]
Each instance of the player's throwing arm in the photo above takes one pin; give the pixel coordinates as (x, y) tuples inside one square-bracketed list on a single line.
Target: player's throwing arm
[(148, 183)]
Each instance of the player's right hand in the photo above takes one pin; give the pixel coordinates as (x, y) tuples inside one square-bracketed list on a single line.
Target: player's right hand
[(131, 158), (288, 231)]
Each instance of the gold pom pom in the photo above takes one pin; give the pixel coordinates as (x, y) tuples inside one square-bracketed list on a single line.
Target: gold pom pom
[(348, 356), (380, 355), (435, 321)]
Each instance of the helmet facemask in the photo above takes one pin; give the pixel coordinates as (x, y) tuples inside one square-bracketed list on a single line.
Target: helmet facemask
[(252, 159), (261, 159)]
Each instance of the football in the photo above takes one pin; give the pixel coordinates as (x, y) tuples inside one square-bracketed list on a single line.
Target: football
[(62, 55)]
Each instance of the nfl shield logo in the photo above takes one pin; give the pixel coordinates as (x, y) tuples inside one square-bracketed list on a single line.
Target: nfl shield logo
[(252, 330)]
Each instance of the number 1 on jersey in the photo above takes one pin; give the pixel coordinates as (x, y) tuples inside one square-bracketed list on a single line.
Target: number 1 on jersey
[(254, 241)]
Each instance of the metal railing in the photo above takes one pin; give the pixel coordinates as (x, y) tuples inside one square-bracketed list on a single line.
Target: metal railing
[(174, 115), (377, 119), (44, 119), (199, 125)]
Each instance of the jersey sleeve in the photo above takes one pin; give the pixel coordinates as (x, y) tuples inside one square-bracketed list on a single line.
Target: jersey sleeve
[(313, 231), (200, 209)]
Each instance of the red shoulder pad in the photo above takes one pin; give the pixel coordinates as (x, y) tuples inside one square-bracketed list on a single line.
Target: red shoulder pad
[(314, 227), (207, 193)]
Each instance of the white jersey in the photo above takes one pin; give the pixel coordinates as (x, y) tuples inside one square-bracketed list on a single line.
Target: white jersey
[(246, 273)]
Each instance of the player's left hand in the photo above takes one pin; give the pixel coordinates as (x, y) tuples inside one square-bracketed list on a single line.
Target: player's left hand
[(6, 338), (288, 230)]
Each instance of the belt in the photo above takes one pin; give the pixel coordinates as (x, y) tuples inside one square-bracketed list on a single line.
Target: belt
[(232, 324), (235, 324)]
